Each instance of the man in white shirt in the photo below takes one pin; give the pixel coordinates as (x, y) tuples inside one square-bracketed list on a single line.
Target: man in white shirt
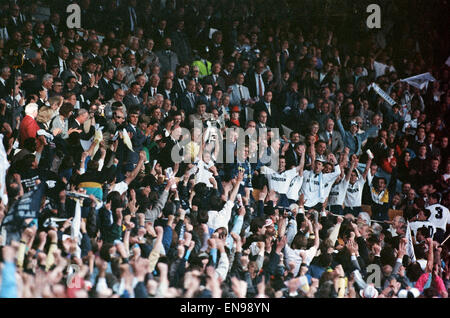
[(285, 181), (218, 219), (439, 217), (313, 188), (354, 191)]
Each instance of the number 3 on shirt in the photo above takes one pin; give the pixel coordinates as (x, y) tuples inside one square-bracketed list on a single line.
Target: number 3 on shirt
[(439, 213)]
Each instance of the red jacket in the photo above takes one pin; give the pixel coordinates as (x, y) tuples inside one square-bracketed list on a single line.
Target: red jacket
[(28, 129)]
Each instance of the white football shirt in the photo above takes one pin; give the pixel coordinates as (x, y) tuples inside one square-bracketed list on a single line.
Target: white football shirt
[(440, 216)]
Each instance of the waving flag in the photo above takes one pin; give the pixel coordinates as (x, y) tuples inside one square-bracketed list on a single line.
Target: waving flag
[(409, 244), (420, 81)]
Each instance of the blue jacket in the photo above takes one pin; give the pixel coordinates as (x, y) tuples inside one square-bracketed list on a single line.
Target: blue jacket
[(349, 139)]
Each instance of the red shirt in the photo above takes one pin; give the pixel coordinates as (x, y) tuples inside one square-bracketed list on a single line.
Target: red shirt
[(28, 129)]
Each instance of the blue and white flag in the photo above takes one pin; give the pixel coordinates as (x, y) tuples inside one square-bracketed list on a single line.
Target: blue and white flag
[(382, 93), (419, 81)]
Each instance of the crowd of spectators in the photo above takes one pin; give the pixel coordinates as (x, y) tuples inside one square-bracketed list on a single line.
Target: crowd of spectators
[(334, 185)]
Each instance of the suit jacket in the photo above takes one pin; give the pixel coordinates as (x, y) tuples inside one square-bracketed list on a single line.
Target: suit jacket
[(158, 38), (182, 46), (299, 120), (49, 30), (168, 60), (337, 144), (130, 101), (85, 78), (106, 89), (66, 74), (177, 86), (188, 104), (83, 135), (292, 158), (235, 95), (3, 90), (229, 79), (138, 139), (273, 118), (220, 81), (127, 16), (250, 82), (173, 95)]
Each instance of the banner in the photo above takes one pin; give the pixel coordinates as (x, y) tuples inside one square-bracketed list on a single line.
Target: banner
[(382, 93), (419, 81), (409, 244), (27, 207)]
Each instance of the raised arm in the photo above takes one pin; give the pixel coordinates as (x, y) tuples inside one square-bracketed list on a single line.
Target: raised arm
[(235, 190), (135, 172), (366, 171)]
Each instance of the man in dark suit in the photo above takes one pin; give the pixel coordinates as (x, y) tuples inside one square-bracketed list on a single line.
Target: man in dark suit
[(86, 76), (273, 115), (165, 156), (132, 98), (105, 84), (299, 118), (189, 99), (4, 76), (130, 17), (167, 91), (332, 138), (179, 82), (228, 73), (78, 133), (54, 26), (16, 20), (137, 137), (61, 59), (293, 155), (255, 82), (160, 33), (215, 79), (181, 44)]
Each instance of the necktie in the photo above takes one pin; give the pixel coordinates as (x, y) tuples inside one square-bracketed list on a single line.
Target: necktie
[(192, 99), (240, 92), (260, 86), (269, 110)]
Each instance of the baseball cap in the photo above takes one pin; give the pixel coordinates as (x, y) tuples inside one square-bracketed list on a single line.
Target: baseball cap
[(369, 292), (235, 109), (321, 159), (269, 222), (411, 293), (294, 206)]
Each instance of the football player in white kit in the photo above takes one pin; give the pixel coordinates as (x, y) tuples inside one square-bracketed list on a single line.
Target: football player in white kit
[(354, 191), (280, 181), (439, 217), (313, 188)]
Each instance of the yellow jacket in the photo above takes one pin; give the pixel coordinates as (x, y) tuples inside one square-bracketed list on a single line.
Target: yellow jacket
[(203, 70)]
